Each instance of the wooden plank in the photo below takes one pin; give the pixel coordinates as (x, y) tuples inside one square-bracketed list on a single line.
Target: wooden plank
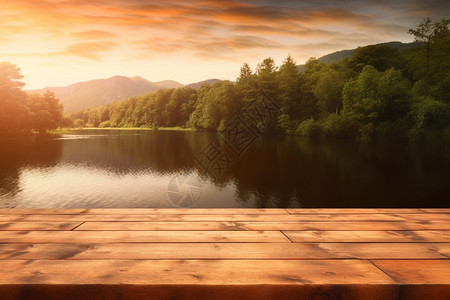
[(369, 236), (142, 236), (222, 211), (424, 291), (416, 271), (190, 211), (200, 291), (419, 279), (39, 225), (387, 250), (41, 211), (162, 226), (192, 279), (217, 272), (351, 226), (424, 217), (354, 210), (236, 251), (161, 251), (11, 218), (144, 211), (213, 218), (437, 210), (311, 226)]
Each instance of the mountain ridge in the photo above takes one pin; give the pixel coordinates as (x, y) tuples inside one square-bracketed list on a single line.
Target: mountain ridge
[(97, 92), (336, 56)]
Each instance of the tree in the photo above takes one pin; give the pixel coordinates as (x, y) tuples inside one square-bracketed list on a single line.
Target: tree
[(431, 114), (14, 114), (430, 33), (306, 107), (289, 85), (217, 105), (381, 57), (180, 106), (266, 77), (246, 83), (376, 97), (79, 123), (46, 112), (328, 90)]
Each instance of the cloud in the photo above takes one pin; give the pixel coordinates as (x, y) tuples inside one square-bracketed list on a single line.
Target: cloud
[(233, 47), (188, 32), (92, 51), (93, 35)]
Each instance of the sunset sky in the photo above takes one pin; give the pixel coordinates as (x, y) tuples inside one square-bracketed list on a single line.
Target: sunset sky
[(59, 42)]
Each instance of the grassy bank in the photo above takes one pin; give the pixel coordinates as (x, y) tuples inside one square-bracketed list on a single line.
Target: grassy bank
[(71, 130)]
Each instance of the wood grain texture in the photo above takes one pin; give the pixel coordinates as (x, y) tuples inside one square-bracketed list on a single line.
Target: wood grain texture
[(279, 251), (77, 237), (416, 271), (212, 217), (145, 211), (370, 236), (225, 254), (285, 226), (201, 291), (356, 210), (214, 272), (39, 225)]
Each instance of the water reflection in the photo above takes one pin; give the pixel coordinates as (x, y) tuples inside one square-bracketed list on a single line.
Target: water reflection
[(133, 169), (17, 154)]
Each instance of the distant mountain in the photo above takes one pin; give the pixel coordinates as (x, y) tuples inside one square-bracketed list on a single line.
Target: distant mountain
[(336, 56), (197, 85), (168, 84), (99, 92)]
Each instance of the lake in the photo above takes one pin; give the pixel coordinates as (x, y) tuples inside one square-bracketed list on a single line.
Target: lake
[(131, 168)]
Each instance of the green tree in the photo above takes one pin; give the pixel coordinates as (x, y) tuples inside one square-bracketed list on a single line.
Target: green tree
[(376, 97), (217, 105), (328, 89), (431, 114), (288, 78), (307, 107), (180, 106), (266, 77), (14, 113), (79, 123), (432, 34), (247, 83), (381, 57), (46, 112)]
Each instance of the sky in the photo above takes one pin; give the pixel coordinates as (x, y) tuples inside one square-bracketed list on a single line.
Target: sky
[(59, 42)]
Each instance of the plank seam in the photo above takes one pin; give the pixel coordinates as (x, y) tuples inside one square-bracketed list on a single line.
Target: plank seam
[(77, 226), (286, 236), (375, 265)]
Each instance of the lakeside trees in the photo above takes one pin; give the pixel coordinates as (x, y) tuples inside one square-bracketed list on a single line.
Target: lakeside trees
[(378, 93), (21, 113)]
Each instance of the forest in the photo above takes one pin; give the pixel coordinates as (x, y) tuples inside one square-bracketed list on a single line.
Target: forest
[(379, 93), (22, 114)]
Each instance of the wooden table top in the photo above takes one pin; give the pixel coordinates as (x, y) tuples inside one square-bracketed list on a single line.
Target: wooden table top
[(380, 254)]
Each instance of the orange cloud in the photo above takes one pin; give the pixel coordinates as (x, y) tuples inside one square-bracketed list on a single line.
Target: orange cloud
[(190, 32), (94, 35), (88, 50)]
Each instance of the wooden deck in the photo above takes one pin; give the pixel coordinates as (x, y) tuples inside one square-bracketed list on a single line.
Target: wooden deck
[(378, 254)]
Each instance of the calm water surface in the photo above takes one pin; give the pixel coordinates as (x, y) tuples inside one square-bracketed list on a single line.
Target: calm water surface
[(110, 168)]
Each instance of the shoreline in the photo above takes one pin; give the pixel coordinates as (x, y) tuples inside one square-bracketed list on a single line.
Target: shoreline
[(70, 130)]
